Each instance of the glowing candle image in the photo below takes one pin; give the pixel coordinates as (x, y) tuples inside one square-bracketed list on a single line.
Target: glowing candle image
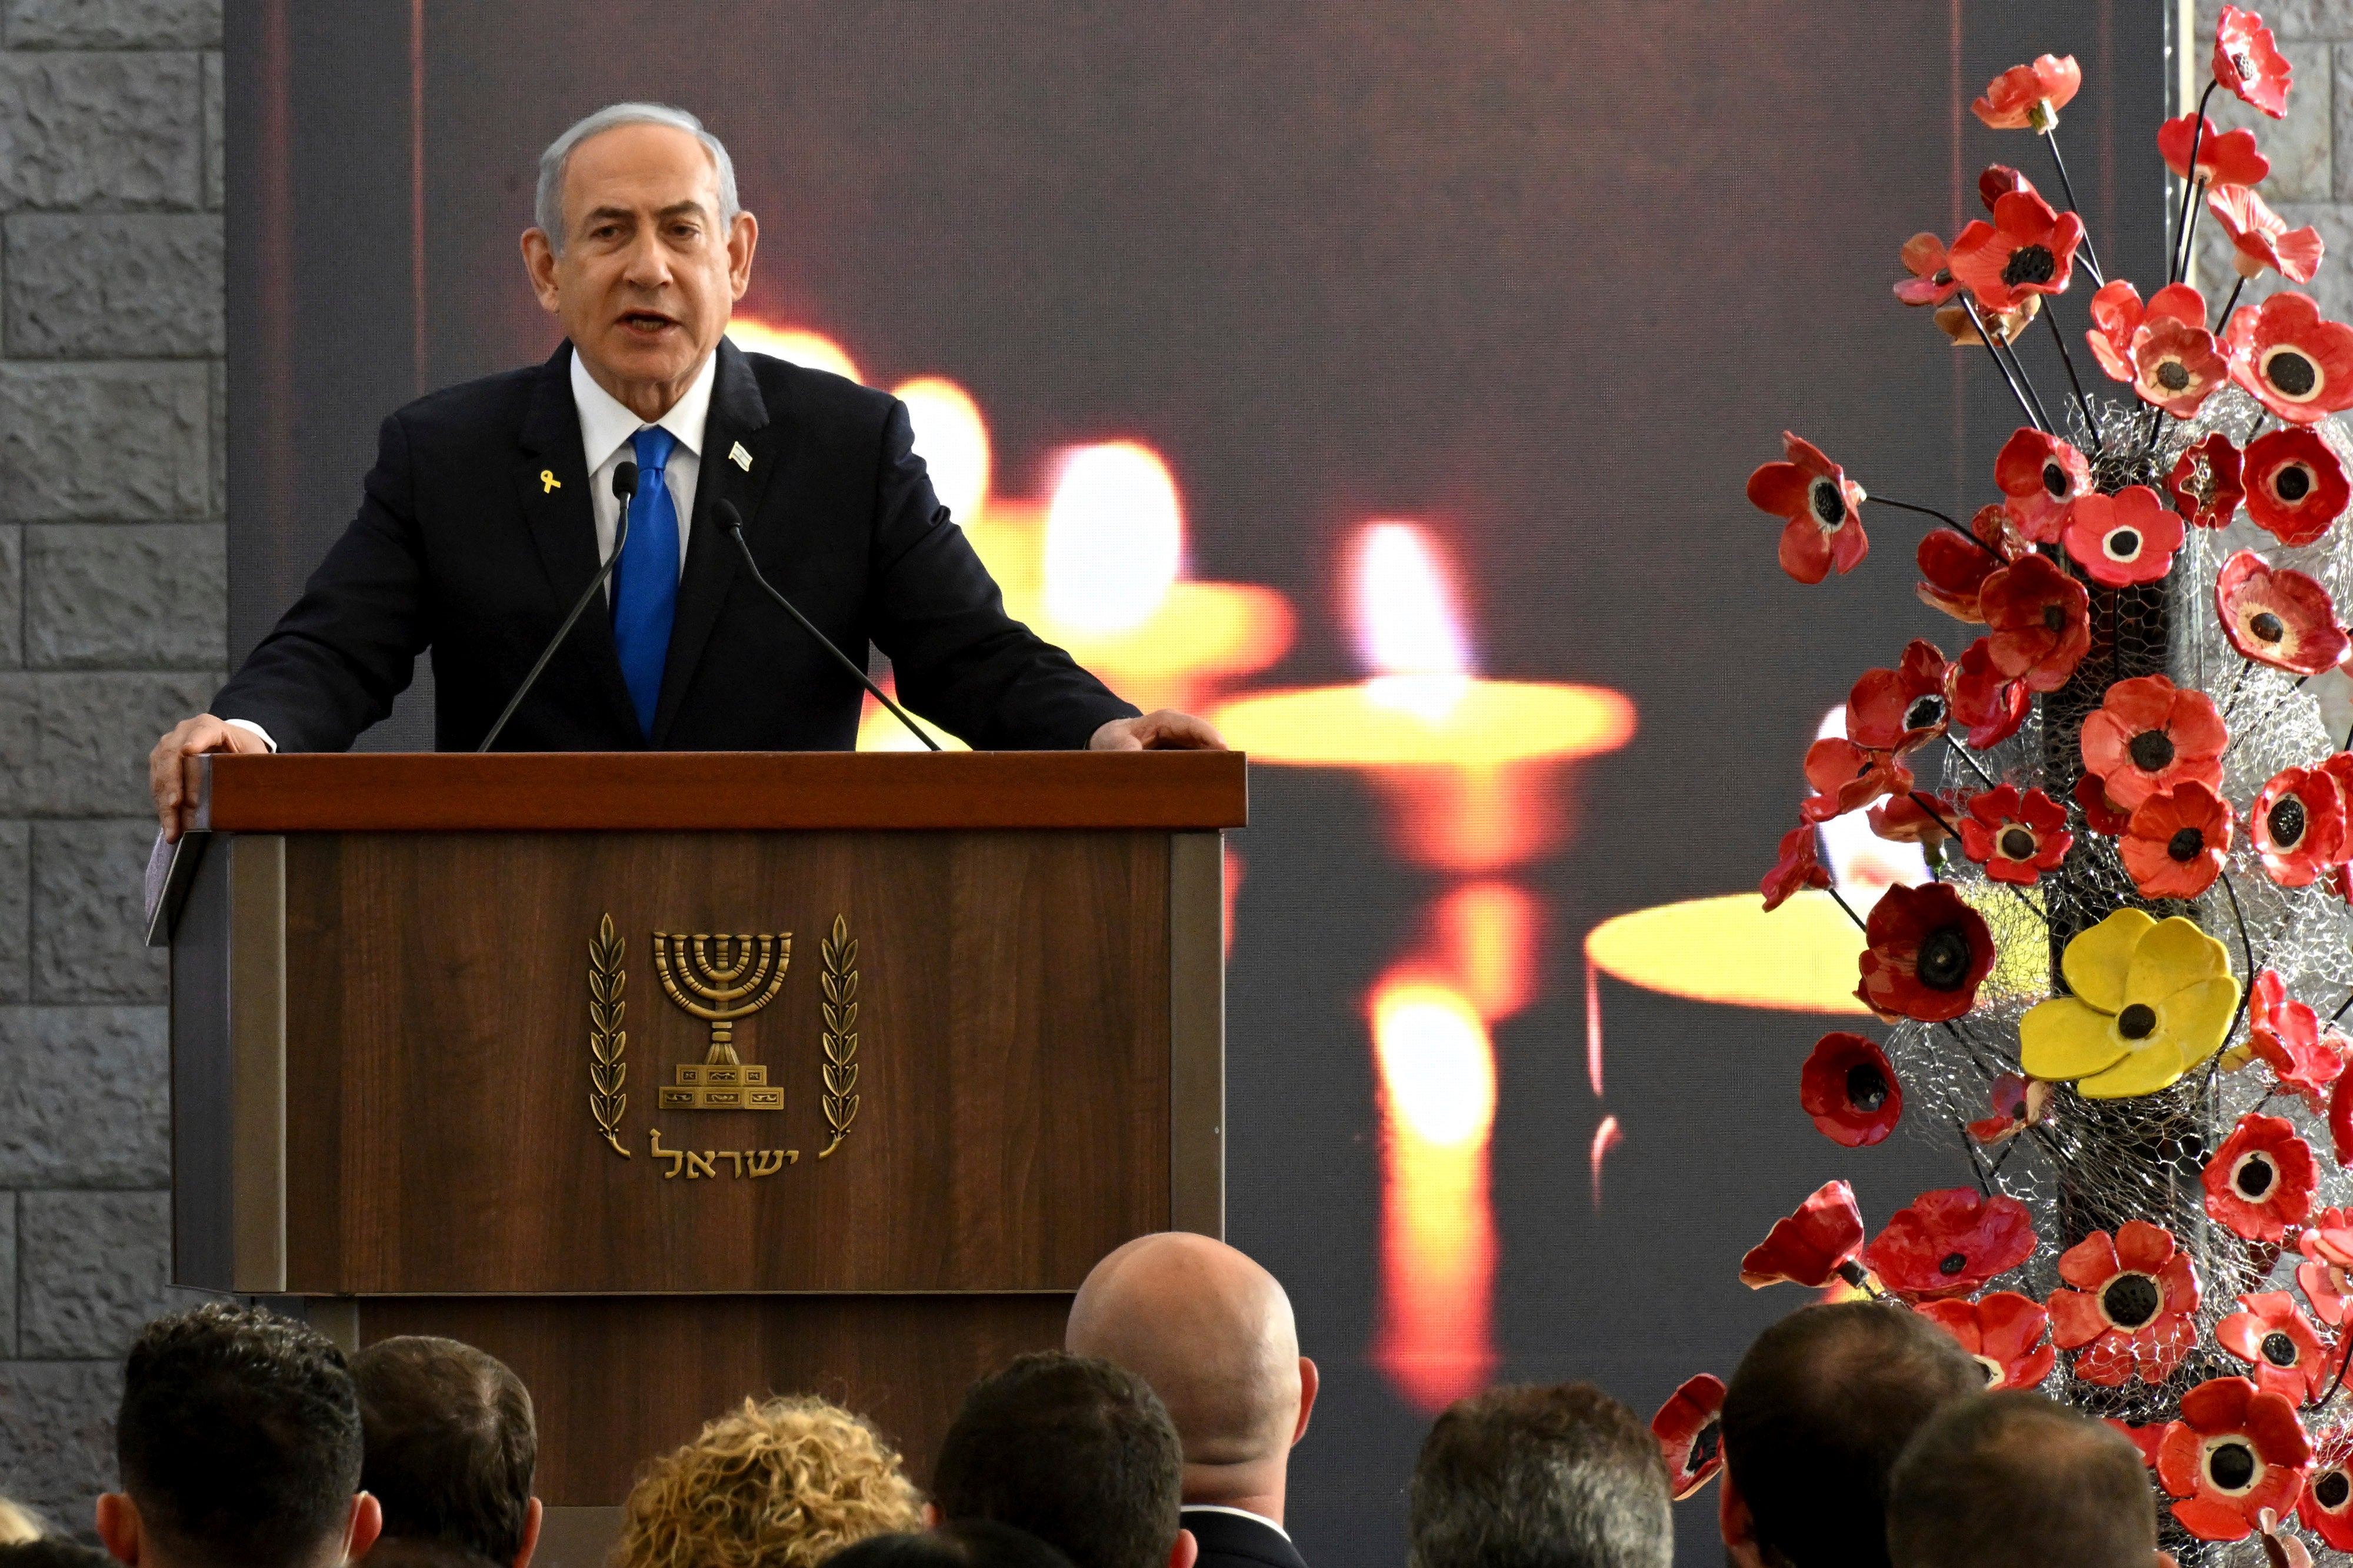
[(812, 351), (1436, 1068)]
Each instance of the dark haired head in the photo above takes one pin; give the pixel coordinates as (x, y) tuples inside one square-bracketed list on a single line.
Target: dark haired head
[(1529, 1476), (238, 1438), (450, 1444), (1078, 1452), (2073, 1493), (959, 1543), (1821, 1405), (52, 1552)]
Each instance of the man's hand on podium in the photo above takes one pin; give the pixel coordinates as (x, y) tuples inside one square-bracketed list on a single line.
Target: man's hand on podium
[(190, 738), (1165, 730)]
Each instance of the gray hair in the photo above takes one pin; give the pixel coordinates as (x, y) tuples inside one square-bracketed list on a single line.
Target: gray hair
[(548, 212), (1524, 1477)]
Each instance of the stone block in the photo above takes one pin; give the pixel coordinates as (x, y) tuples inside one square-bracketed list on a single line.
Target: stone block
[(75, 744), (126, 596), (11, 598), (15, 910), (85, 1096), (91, 1270), (111, 132), (2332, 287), (215, 134), (114, 286), (114, 23), (7, 1275), (113, 441), (2288, 19), (89, 913), (57, 1437), (2300, 145), (217, 390)]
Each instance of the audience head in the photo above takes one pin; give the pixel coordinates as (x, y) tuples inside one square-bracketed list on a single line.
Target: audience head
[(239, 1441), (1212, 1332), (1540, 1478), (1815, 1416), (1076, 1451), (785, 1484), (2072, 1492), (964, 1543), (450, 1447), (50, 1552)]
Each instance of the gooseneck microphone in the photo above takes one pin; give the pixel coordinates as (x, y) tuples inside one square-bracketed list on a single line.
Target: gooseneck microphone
[(625, 485), (733, 521)]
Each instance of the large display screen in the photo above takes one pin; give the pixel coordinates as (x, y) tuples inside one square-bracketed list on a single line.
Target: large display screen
[(1379, 380)]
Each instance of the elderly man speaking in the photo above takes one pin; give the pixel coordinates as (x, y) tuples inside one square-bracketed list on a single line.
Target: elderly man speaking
[(493, 505)]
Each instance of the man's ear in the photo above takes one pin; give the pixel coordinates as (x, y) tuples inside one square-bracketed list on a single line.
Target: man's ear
[(366, 1522), (743, 239), (932, 1520), (1739, 1528), (1309, 1382), (539, 265), (1187, 1549), (531, 1522), (118, 1527)]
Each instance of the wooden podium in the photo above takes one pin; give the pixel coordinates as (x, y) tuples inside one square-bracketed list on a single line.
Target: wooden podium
[(669, 1079)]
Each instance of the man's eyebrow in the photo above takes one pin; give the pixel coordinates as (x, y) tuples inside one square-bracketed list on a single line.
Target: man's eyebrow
[(675, 209)]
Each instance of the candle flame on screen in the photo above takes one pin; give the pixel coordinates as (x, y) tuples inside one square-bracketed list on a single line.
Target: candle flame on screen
[(1606, 1137), (1436, 1073), (1488, 931), (1115, 536), (811, 350), (1593, 1024), (1408, 626), (954, 440)]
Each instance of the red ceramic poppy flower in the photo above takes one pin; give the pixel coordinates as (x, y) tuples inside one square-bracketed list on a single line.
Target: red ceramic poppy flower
[(2177, 368), (2327, 1506), (2131, 1311), (2295, 487), (1915, 818), (2041, 475), (2118, 316), (1812, 1246), (2005, 326), (2328, 1248), (2147, 1439), (1998, 181), (1690, 1430), (2150, 736), (2235, 1452), (2004, 1331), (1900, 709), (1932, 281), (2305, 1060), (2123, 539), (2101, 815), (2297, 364), (2019, 1104), (1949, 1243), (2039, 622), (1824, 529), (2224, 157), (2259, 237), (1953, 569), (2298, 821), (2278, 618), (2176, 841), (1847, 777), (2015, 837), (2027, 249), (2205, 483), (2279, 1341), (1800, 866), (2248, 63), (2030, 97), (1851, 1090), (1926, 954), (1989, 704), (2258, 1182), (2341, 1114)]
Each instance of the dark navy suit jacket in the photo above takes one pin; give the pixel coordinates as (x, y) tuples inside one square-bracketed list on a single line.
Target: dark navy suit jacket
[(462, 546), (1229, 1541)]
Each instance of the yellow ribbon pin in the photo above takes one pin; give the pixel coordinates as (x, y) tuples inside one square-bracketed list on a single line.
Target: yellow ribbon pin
[(548, 481)]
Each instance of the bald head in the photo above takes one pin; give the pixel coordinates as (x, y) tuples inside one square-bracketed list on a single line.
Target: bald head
[(1212, 1332)]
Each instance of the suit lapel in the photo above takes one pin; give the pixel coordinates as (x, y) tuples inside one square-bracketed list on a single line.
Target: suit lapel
[(739, 417), (552, 479)]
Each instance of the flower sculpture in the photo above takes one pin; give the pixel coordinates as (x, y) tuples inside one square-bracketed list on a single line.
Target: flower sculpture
[(2326, 1509), (2130, 1313), (1800, 866), (2294, 485), (2204, 483), (2287, 1036), (2327, 1245), (2298, 821), (2043, 477), (1812, 1246), (2236, 1452), (1825, 528), (2258, 1182), (1926, 954), (2031, 97), (2016, 838), (1690, 1430), (2153, 999), (2261, 238), (2175, 842), (2278, 618), (2123, 539), (2149, 737), (2006, 1332), (2277, 1340), (1950, 1243), (2224, 158), (2297, 365), (2248, 63), (1851, 1090)]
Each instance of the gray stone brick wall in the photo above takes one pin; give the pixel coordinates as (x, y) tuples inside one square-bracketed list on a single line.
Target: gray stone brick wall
[(113, 608)]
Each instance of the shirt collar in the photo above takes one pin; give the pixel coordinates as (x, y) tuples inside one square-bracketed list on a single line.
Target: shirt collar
[(606, 424), (1237, 1512)]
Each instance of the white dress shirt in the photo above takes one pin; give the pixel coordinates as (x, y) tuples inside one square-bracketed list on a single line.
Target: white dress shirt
[(607, 428)]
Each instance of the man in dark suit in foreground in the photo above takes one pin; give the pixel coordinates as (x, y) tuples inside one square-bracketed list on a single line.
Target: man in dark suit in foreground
[(1213, 1334), (493, 505)]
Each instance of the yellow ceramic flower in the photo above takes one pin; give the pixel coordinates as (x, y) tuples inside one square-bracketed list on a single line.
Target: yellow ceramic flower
[(2153, 999)]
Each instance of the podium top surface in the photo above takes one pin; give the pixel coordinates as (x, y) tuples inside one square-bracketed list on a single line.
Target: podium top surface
[(443, 792)]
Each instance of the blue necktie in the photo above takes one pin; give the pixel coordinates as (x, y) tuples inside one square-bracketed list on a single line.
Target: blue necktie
[(645, 584)]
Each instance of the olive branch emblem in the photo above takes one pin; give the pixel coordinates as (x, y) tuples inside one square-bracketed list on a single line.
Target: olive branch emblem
[(606, 1038), (837, 957)]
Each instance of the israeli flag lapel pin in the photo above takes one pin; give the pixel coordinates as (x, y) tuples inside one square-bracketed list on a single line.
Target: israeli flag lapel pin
[(740, 457)]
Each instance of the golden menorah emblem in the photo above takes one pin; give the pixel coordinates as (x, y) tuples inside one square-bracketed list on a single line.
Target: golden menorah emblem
[(722, 979)]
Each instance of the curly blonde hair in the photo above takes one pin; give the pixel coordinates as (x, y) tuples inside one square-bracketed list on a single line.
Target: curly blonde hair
[(784, 1484)]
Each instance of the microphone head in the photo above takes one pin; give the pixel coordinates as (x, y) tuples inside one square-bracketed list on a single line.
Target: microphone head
[(728, 518), (625, 481)]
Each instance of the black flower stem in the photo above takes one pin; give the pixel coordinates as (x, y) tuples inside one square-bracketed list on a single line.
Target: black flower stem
[(1974, 766), (2188, 185), (2197, 211), (2333, 1017), (2003, 1158), (2090, 420), (1976, 1166), (2230, 304), (1999, 363), (1833, 892), (2050, 425), (2248, 949), (2342, 1362), (2230, 698), (2156, 428), (2091, 254), (1948, 523)]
